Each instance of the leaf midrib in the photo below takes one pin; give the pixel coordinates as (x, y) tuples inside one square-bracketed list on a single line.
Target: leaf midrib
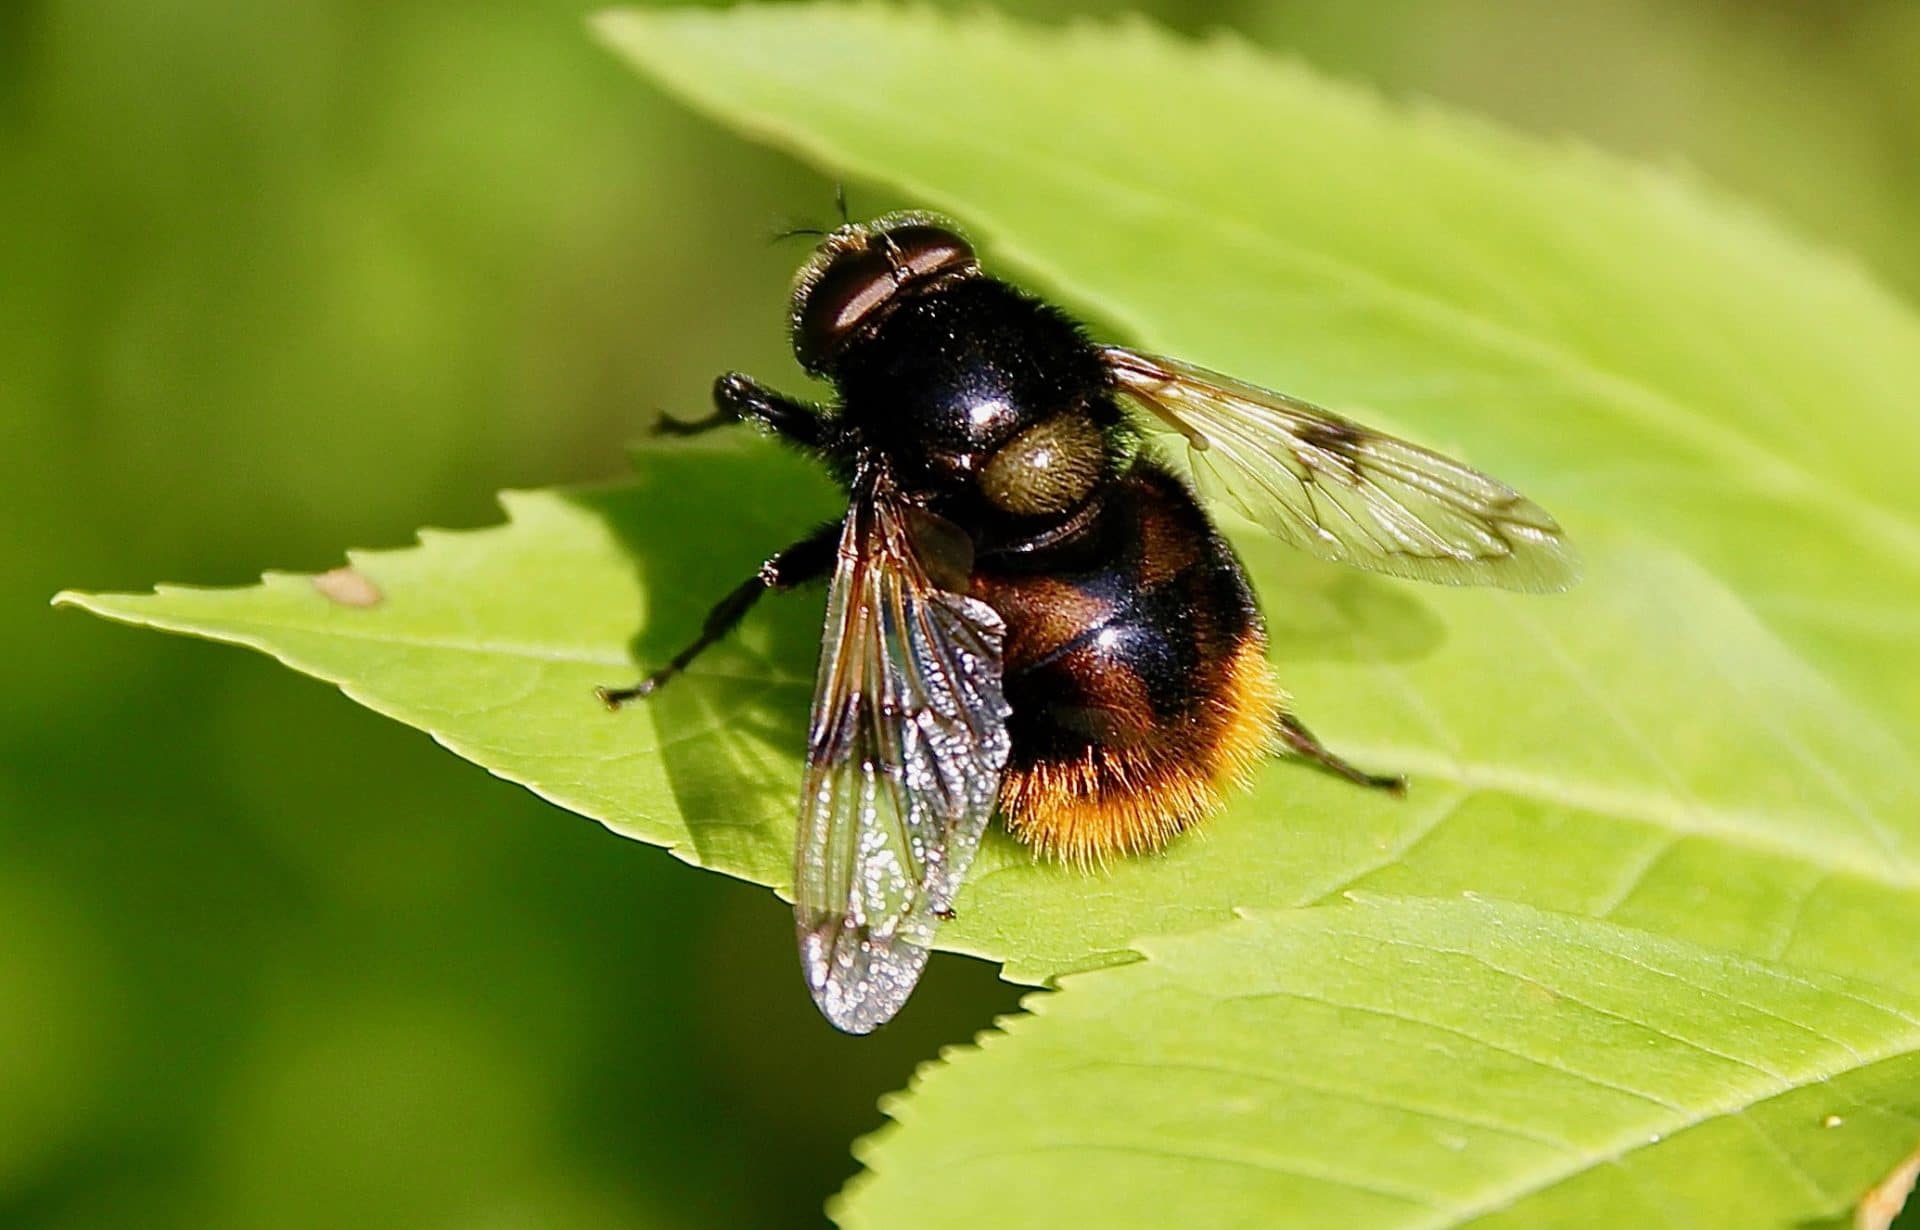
[(1607, 799)]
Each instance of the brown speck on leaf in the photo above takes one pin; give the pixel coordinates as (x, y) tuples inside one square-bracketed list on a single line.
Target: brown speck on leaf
[(1884, 1201), (347, 587)]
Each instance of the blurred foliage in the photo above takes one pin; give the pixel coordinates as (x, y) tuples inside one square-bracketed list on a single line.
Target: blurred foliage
[(275, 278)]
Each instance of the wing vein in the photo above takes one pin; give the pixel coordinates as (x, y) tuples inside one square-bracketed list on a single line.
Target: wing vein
[(1342, 491)]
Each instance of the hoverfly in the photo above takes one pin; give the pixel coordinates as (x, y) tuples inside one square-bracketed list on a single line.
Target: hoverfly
[(1028, 612)]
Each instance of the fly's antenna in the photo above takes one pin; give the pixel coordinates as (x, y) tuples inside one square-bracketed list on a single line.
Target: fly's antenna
[(818, 232), (795, 231)]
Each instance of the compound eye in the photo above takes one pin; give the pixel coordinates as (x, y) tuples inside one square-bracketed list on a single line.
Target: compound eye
[(921, 250), (1048, 468), (847, 291)]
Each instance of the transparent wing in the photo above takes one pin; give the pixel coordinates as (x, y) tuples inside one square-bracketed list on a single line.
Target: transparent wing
[(1346, 493), (904, 757)]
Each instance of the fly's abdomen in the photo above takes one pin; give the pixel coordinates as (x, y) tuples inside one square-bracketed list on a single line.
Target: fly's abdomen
[(1136, 672)]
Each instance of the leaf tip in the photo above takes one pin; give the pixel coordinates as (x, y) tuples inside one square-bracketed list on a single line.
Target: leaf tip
[(107, 606)]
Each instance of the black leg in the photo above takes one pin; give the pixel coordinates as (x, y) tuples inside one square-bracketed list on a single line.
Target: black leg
[(737, 398), (807, 560), (746, 398), (1301, 742)]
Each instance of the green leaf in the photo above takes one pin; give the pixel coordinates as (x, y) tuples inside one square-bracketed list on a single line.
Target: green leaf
[(1399, 1062), (1616, 342)]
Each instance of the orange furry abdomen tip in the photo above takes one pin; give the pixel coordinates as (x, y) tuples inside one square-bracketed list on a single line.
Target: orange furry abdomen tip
[(1115, 801)]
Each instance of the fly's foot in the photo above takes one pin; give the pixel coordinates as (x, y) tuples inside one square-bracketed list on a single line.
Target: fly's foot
[(613, 698), (1301, 742)]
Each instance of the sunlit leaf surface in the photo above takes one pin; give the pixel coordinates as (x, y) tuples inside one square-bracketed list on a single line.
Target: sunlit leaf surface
[(1412, 1063)]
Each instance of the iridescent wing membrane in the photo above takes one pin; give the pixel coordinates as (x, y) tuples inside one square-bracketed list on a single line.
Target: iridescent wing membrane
[(1342, 491), (905, 752)]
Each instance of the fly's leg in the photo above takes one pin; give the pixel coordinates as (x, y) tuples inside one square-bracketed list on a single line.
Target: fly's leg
[(667, 425), (1301, 742), (807, 560), (740, 398)]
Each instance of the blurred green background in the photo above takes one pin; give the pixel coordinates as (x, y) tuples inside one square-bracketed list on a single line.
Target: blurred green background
[(280, 279)]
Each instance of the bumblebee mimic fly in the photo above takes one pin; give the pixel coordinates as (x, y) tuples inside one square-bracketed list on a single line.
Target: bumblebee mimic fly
[(1029, 611)]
